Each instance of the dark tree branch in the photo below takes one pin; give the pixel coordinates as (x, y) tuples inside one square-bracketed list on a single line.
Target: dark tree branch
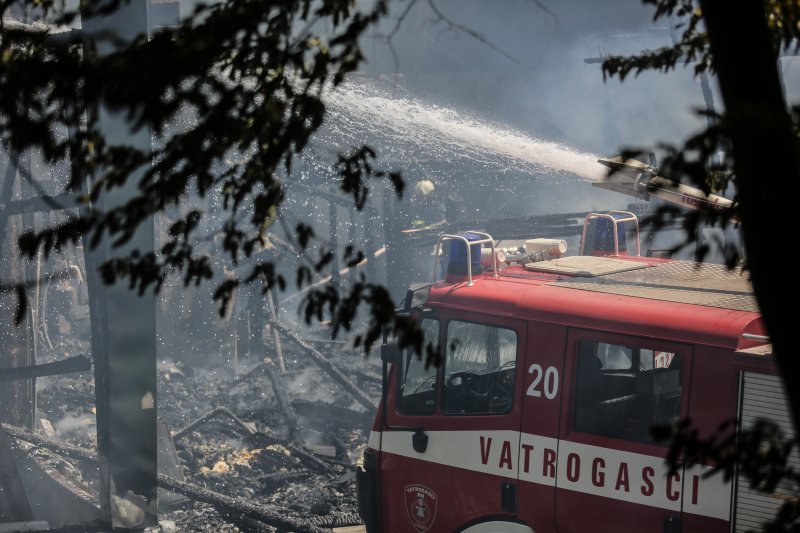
[(469, 31), (390, 36)]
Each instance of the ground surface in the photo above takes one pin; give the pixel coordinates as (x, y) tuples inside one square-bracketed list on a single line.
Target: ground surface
[(309, 477)]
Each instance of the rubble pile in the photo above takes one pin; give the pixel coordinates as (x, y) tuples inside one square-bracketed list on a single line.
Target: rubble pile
[(284, 441)]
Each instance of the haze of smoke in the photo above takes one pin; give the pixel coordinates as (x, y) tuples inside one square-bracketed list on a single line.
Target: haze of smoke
[(70, 423)]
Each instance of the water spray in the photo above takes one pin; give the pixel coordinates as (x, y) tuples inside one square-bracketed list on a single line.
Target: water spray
[(411, 130)]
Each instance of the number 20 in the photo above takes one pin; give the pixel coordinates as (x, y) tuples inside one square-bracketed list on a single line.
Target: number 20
[(550, 381)]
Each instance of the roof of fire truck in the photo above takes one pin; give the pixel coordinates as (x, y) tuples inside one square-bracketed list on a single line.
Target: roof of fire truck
[(650, 297)]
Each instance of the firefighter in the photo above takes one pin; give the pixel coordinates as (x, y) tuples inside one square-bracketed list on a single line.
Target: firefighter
[(425, 208)]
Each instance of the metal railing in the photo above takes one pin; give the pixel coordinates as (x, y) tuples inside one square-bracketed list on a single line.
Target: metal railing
[(627, 217), (469, 244)]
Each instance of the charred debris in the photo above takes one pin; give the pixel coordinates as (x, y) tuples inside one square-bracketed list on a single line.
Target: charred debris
[(244, 447)]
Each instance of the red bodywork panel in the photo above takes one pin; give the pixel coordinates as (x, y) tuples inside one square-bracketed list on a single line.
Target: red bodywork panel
[(534, 296)]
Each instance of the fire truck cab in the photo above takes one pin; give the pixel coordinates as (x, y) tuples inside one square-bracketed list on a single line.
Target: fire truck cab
[(552, 373)]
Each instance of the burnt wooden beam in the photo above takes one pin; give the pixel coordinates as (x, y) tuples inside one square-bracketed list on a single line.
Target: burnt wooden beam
[(273, 314), (41, 204), (67, 450), (285, 404), (228, 504), (329, 368), (214, 413), (78, 363)]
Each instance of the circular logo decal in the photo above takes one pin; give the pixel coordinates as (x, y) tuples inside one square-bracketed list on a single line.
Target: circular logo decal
[(420, 504)]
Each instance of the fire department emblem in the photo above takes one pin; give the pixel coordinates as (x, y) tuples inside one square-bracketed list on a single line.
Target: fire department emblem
[(420, 506)]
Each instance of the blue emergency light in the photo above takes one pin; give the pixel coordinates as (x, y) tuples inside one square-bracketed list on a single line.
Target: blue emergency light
[(604, 234), (458, 255), (599, 236)]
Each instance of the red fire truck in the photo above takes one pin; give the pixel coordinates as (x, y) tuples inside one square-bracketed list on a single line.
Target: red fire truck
[(552, 373)]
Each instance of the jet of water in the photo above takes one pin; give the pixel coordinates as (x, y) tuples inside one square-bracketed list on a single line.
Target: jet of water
[(410, 130)]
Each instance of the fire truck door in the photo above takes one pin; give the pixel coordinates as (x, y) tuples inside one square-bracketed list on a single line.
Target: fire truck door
[(450, 444), (542, 377), (609, 467)]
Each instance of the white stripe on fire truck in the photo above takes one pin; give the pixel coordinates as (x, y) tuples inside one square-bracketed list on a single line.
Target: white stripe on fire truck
[(374, 441), (607, 472)]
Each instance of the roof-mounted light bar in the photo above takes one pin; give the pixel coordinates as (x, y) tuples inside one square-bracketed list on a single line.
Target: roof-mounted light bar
[(616, 218), (485, 239)]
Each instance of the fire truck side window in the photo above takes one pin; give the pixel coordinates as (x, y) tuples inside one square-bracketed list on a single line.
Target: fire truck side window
[(417, 393), (623, 391), (479, 369)]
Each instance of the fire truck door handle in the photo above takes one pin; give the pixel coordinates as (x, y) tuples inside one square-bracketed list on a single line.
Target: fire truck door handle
[(672, 523), (420, 441), (508, 497)]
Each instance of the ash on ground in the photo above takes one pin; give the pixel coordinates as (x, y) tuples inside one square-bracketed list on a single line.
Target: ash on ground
[(246, 447)]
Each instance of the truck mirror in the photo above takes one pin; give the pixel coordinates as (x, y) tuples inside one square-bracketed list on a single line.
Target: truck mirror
[(391, 353), (416, 295)]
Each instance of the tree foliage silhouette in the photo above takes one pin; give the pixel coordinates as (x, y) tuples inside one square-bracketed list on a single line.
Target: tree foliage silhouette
[(758, 136), (251, 76)]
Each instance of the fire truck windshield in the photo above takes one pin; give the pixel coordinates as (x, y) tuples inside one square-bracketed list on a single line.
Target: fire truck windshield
[(417, 385), (476, 377), (478, 369)]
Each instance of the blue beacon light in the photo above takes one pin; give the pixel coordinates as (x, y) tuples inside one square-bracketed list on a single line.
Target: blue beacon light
[(458, 256)]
